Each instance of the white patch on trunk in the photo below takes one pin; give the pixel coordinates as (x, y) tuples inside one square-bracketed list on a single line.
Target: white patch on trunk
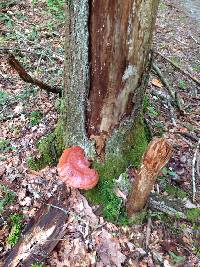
[(129, 71)]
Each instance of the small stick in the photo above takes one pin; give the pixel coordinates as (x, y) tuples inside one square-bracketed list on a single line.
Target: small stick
[(178, 67), (193, 172), (148, 232), (188, 135), (59, 208), (174, 95)]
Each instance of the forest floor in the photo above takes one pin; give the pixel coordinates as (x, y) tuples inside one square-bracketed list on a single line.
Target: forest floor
[(36, 29)]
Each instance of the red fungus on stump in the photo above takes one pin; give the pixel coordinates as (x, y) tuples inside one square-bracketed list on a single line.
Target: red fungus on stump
[(73, 169)]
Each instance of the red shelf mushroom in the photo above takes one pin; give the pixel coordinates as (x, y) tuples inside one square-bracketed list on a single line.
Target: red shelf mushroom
[(73, 169)]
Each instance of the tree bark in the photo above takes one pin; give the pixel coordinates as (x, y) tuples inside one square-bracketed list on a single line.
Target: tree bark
[(107, 58)]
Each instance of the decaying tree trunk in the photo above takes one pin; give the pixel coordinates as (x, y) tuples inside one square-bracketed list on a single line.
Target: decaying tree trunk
[(107, 60), (155, 158), (42, 233)]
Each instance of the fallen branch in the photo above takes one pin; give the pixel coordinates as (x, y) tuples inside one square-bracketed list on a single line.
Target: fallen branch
[(14, 63), (42, 233), (176, 208), (148, 232), (178, 67), (174, 95), (188, 135), (193, 172)]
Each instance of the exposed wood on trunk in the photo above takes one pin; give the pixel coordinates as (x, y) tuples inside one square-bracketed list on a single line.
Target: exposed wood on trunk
[(155, 158), (120, 40), (42, 233)]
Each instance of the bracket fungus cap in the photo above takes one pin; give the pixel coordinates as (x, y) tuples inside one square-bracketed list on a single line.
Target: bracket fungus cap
[(74, 169)]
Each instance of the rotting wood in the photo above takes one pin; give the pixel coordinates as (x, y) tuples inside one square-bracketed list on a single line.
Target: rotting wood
[(155, 158), (14, 63), (42, 233)]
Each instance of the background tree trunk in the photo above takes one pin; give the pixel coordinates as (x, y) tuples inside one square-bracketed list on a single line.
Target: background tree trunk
[(106, 62)]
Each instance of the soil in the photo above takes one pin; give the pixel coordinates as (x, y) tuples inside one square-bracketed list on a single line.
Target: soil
[(28, 114)]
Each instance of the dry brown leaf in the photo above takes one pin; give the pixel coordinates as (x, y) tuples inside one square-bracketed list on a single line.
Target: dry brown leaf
[(108, 250), (157, 83)]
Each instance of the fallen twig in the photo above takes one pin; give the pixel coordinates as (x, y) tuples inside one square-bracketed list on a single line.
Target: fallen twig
[(27, 78), (188, 135), (148, 232), (178, 67), (174, 95), (193, 172), (165, 97)]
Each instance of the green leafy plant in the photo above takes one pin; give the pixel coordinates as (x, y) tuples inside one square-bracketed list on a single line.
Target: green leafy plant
[(7, 196), (36, 265), (193, 215), (3, 98), (162, 6), (196, 67), (176, 60), (182, 84), (146, 103), (175, 191), (175, 258), (16, 226), (7, 3), (33, 34), (56, 8), (35, 117), (152, 112), (5, 146)]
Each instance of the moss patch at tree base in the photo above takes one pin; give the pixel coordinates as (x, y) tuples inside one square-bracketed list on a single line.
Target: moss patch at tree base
[(52, 146), (50, 149), (114, 165)]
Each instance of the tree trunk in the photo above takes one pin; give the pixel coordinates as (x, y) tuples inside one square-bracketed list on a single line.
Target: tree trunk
[(107, 59), (107, 62)]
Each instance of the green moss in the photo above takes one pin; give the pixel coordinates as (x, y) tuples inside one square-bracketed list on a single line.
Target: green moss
[(16, 222), (175, 191), (193, 215), (36, 265), (114, 165), (50, 149), (6, 198)]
